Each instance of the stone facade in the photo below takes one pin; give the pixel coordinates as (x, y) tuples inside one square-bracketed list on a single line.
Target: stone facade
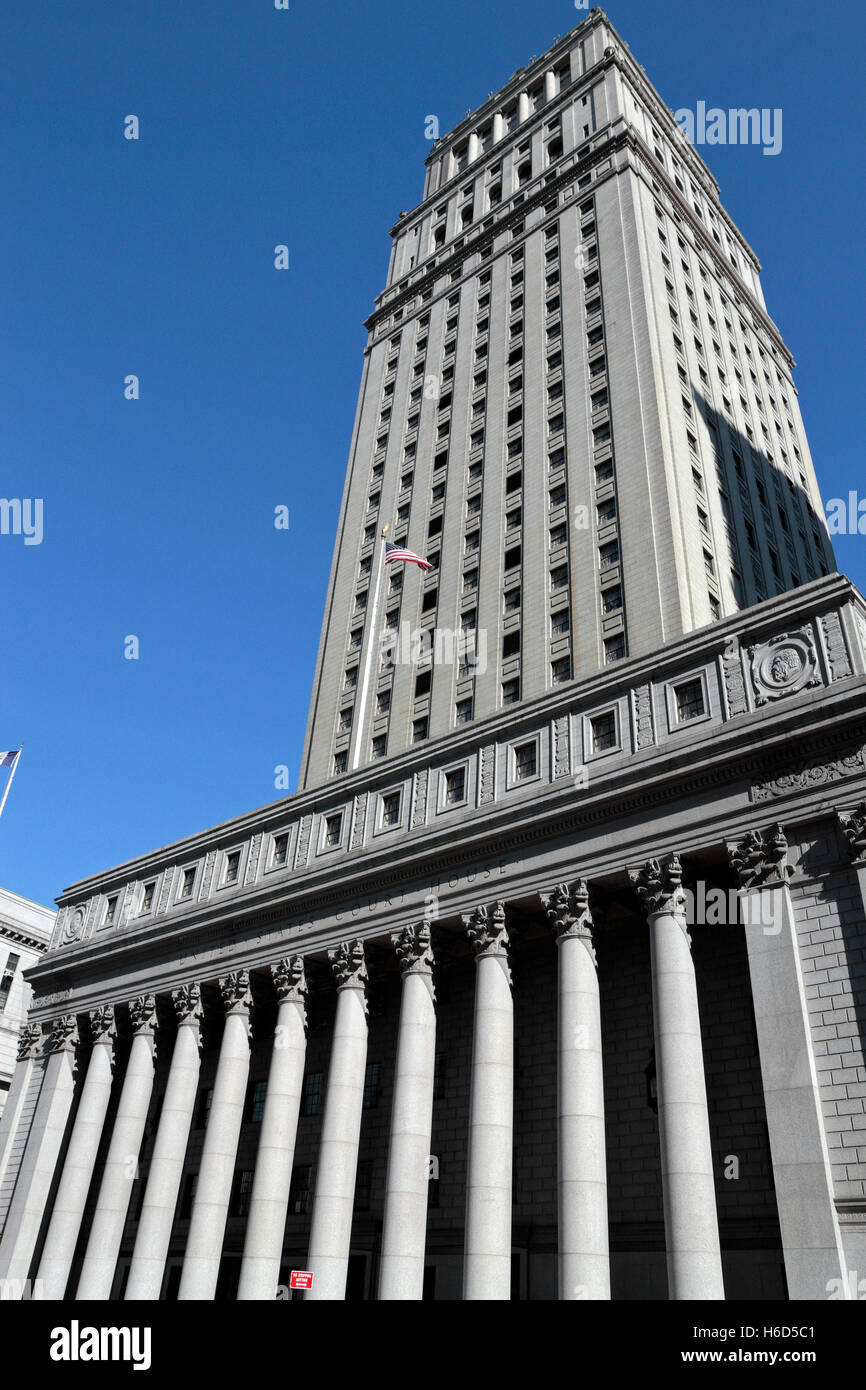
[(560, 1001)]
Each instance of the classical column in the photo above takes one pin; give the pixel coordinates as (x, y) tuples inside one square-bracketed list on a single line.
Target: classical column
[(29, 1047), (688, 1187), (269, 1200), (584, 1256), (121, 1164), (802, 1175), (498, 126), (404, 1230), (201, 1261), (523, 106), (472, 147), (331, 1232), (549, 85), (29, 1201), (169, 1150), (487, 1254), (77, 1174)]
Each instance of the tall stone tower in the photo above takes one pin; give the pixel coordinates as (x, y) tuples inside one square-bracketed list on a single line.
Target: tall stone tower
[(573, 404)]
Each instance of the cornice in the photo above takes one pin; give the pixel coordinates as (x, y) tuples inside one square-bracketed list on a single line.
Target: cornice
[(634, 788), (749, 625)]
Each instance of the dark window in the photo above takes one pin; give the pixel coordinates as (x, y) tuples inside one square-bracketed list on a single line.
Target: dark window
[(455, 786), (311, 1102), (511, 643), (300, 1189), (525, 760), (371, 1085), (603, 728), (690, 701)]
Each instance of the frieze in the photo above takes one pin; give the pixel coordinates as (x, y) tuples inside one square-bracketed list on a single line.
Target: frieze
[(487, 781), (253, 858), (207, 874), (419, 796), (783, 666), (165, 890), (359, 820), (735, 685), (643, 717), (561, 746), (304, 841), (837, 652), (804, 775)]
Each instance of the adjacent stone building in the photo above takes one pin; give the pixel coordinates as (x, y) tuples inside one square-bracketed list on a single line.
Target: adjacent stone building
[(25, 931), (549, 981)]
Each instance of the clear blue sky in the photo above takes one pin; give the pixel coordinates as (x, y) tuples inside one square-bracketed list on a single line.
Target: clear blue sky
[(155, 257)]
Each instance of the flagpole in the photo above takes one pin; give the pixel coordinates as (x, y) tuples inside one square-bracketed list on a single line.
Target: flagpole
[(11, 775), (358, 730)]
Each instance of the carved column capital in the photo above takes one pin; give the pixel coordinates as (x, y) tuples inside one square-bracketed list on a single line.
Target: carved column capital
[(486, 931), (659, 885), (187, 1005), (350, 967), (142, 1014), (63, 1034), (235, 991), (29, 1041), (290, 980), (569, 912), (853, 825), (103, 1028), (412, 945), (761, 860)]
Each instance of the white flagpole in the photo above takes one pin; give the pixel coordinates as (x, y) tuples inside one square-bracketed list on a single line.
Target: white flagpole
[(372, 643), (11, 775)]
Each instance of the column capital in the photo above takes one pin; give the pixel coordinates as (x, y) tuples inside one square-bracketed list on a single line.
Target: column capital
[(659, 885), (63, 1034), (350, 967), (187, 1005), (412, 945), (487, 931), (761, 860), (235, 991), (103, 1028), (853, 824), (290, 980), (142, 1013), (29, 1041), (567, 907)]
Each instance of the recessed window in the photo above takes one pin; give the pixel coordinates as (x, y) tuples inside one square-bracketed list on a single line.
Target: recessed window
[(614, 649), (422, 683), (281, 849), (333, 830), (510, 692), (419, 730), (560, 670), (383, 702), (188, 883), (511, 643), (611, 599), (341, 761), (560, 623), (233, 864), (377, 747), (603, 731), (525, 761), (391, 809), (689, 701), (147, 897), (464, 712), (371, 1085), (455, 786)]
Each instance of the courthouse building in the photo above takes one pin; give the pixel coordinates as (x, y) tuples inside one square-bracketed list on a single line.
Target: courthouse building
[(548, 982)]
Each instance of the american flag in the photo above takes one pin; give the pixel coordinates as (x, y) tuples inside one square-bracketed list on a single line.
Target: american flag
[(399, 552), (8, 759)]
